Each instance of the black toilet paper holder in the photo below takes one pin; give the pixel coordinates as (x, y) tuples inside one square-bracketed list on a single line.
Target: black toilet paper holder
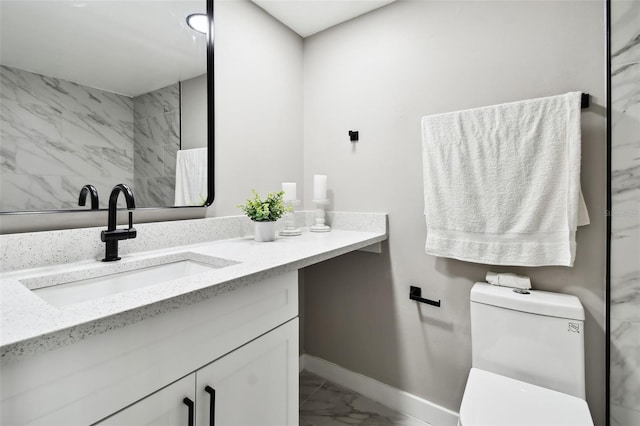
[(415, 293)]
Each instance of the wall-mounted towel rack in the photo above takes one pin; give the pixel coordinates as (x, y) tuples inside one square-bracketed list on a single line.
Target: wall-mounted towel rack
[(584, 101)]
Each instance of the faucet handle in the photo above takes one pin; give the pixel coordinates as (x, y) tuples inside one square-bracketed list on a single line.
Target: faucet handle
[(131, 231)]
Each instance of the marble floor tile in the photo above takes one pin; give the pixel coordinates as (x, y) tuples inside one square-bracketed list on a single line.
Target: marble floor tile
[(323, 403), (309, 383)]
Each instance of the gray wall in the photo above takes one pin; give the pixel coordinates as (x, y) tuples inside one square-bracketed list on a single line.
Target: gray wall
[(625, 214), (258, 105), (380, 74)]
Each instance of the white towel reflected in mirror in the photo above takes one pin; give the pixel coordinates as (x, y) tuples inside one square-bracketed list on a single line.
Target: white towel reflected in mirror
[(191, 177)]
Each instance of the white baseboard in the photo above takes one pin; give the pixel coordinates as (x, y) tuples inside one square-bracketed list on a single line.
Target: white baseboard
[(391, 397)]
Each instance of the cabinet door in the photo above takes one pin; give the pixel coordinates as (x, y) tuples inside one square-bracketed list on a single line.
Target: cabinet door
[(255, 385), (165, 407)]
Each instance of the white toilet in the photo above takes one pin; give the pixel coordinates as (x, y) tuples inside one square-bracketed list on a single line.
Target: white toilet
[(527, 360)]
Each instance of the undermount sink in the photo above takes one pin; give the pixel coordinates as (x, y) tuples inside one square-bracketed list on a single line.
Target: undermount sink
[(66, 289)]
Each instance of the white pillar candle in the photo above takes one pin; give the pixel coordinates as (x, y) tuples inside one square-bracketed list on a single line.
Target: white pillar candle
[(319, 187), (290, 191)]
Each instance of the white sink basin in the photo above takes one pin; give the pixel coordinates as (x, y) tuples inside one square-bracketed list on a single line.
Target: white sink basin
[(67, 289)]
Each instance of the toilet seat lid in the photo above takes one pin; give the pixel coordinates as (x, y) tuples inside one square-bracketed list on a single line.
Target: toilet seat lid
[(494, 400)]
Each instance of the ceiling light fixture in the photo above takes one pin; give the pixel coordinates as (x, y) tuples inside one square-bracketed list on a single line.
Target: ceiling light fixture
[(198, 22)]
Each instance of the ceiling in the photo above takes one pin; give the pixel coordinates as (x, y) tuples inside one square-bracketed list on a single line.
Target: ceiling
[(307, 17), (134, 46)]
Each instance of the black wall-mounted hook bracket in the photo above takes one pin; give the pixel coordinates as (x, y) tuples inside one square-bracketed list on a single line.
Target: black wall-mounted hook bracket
[(353, 135), (584, 101), (415, 293)]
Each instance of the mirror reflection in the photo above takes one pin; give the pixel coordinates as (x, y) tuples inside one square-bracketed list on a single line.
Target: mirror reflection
[(101, 92)]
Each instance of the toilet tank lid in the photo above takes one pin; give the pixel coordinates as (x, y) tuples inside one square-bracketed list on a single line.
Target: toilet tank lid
[(536, 302)]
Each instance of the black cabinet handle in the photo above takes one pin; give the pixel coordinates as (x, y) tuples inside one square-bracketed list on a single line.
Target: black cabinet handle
[(189, 403), (212, 405)]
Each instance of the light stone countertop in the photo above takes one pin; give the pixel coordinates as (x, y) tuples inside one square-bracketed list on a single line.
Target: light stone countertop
[(30, 325)]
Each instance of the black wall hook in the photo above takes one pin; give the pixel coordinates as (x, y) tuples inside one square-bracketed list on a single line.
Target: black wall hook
[(353, 135), (584, 101), (415, 293)]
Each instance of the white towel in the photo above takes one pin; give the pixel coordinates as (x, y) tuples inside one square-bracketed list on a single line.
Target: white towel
[(191, 177), (509, 280), (502, 183)]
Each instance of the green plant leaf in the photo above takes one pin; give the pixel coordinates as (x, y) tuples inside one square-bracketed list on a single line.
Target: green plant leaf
[(270, 209)]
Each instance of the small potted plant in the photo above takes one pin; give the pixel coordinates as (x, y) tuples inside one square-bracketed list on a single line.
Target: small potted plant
[(264, 214)]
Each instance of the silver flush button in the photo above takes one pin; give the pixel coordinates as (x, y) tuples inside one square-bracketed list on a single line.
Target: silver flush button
[(521, 291)]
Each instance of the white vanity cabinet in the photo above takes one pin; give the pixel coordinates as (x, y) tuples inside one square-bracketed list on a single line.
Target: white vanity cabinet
[(255, 385), (164, 408), (243, 344)]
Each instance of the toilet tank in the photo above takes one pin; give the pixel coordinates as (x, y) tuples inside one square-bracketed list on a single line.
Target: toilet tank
[(537, 338)]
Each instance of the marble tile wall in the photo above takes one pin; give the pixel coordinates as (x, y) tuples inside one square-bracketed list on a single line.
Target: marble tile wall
[(625, 214), (55, 137), (156, 142)]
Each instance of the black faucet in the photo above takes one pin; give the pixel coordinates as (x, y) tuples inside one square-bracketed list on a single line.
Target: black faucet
[(112, 235), (89, 189)]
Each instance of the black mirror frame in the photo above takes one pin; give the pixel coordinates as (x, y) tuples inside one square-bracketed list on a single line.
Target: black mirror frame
[(211, 125)]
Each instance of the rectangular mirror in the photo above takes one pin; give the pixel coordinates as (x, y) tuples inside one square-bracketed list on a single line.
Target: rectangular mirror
[(103, 92)]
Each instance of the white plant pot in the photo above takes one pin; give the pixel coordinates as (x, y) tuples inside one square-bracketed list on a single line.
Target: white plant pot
[(264, 231)]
